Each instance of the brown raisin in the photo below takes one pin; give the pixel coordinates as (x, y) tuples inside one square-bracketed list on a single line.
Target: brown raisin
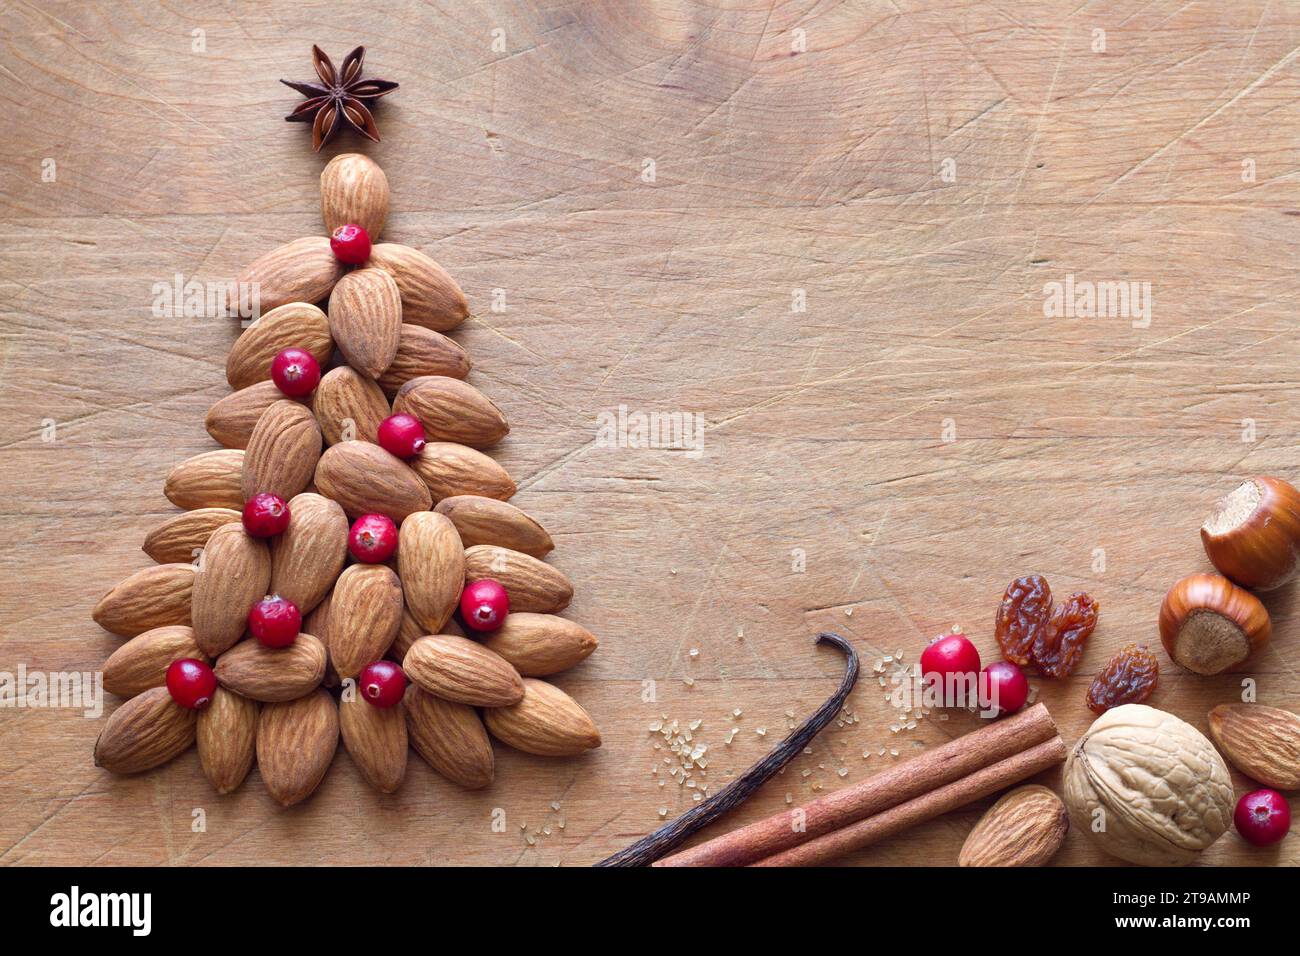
[(1129, 677), (1024, 612), (1059, 645)]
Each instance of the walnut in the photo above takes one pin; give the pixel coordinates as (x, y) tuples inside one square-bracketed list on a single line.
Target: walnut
[(1148, 787)]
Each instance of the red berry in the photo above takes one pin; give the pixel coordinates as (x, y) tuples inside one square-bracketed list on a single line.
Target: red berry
[(1004, 687), (484, 605), (373, 538), (295, 372), (275, 621), (382, 683), (1262, 817), (351, 244), (401, 435), (951, 664), (266, 515), (191, 683)]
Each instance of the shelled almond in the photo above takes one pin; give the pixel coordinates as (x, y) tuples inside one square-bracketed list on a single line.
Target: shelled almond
[(265, 533), (181, 537)]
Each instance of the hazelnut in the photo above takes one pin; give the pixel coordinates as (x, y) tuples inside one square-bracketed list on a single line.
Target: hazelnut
[(1253, 535), (1208, 624)]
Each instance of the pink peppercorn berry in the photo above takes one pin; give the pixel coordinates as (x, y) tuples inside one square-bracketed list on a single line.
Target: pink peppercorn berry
[(373, 539), (266, 515), (951, 664), (484, 605), (295, 372), (350, 244), (1004, 686), (401, 435), (275, 621), (382, 683), (1263, 817), (191, 683)]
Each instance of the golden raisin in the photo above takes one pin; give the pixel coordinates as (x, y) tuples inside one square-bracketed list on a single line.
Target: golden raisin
[(1024, 612), (1129, 677), (1059, 645)]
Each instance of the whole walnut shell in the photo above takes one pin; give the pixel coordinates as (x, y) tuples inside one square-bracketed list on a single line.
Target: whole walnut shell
[(1164, 791)]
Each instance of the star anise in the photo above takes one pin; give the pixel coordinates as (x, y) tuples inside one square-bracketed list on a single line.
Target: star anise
[(341, 97)]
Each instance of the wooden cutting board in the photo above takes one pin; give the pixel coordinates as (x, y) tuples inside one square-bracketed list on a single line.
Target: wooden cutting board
[(829, 232)]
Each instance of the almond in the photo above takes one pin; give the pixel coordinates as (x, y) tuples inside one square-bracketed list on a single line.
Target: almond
[(304, 270), (408, 632), (366, 319), (363, 478), (181, 537), (227, 738), (149, 598), (547, 722), (296, 742), (431, 562), (365, 613), (376, 741), (430, 297), (1262, 742), (422, 351), (1024, 828), (485, 520), (537, 645), (283, 451), (449, 469), (349, 406), (297, 324), (232, 575), (209, 480), (450, 738), (307, 558), (145, 732), (142, 662), (452, 410), (232, 419), (353, 189), (273, 674), (464, 671), (532, 584), (318, 623), (411, 631)]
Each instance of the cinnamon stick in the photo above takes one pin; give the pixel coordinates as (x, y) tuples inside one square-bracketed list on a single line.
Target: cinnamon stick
[(930, 770), (968, 789)]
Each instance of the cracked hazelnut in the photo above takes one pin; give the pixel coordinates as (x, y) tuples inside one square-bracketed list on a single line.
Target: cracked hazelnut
[(1253, 535), (1208, 624)]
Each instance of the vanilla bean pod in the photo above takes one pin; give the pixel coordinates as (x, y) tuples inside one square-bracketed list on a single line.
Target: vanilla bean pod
[(671, 835)]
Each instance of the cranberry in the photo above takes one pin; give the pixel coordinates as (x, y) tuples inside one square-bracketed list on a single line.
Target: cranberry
[(1263, 817), (275, 621), (952, 664), (191, 683), (373, 538), (295, 372), (1004, 687), (266, 515), (382, 683), (484, 605), (401, 435), (350, 244)]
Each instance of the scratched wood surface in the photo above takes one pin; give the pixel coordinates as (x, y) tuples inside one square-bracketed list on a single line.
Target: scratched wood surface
[(920, 433)]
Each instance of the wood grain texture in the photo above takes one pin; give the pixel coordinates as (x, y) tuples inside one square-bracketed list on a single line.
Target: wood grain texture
[(920, 434)]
